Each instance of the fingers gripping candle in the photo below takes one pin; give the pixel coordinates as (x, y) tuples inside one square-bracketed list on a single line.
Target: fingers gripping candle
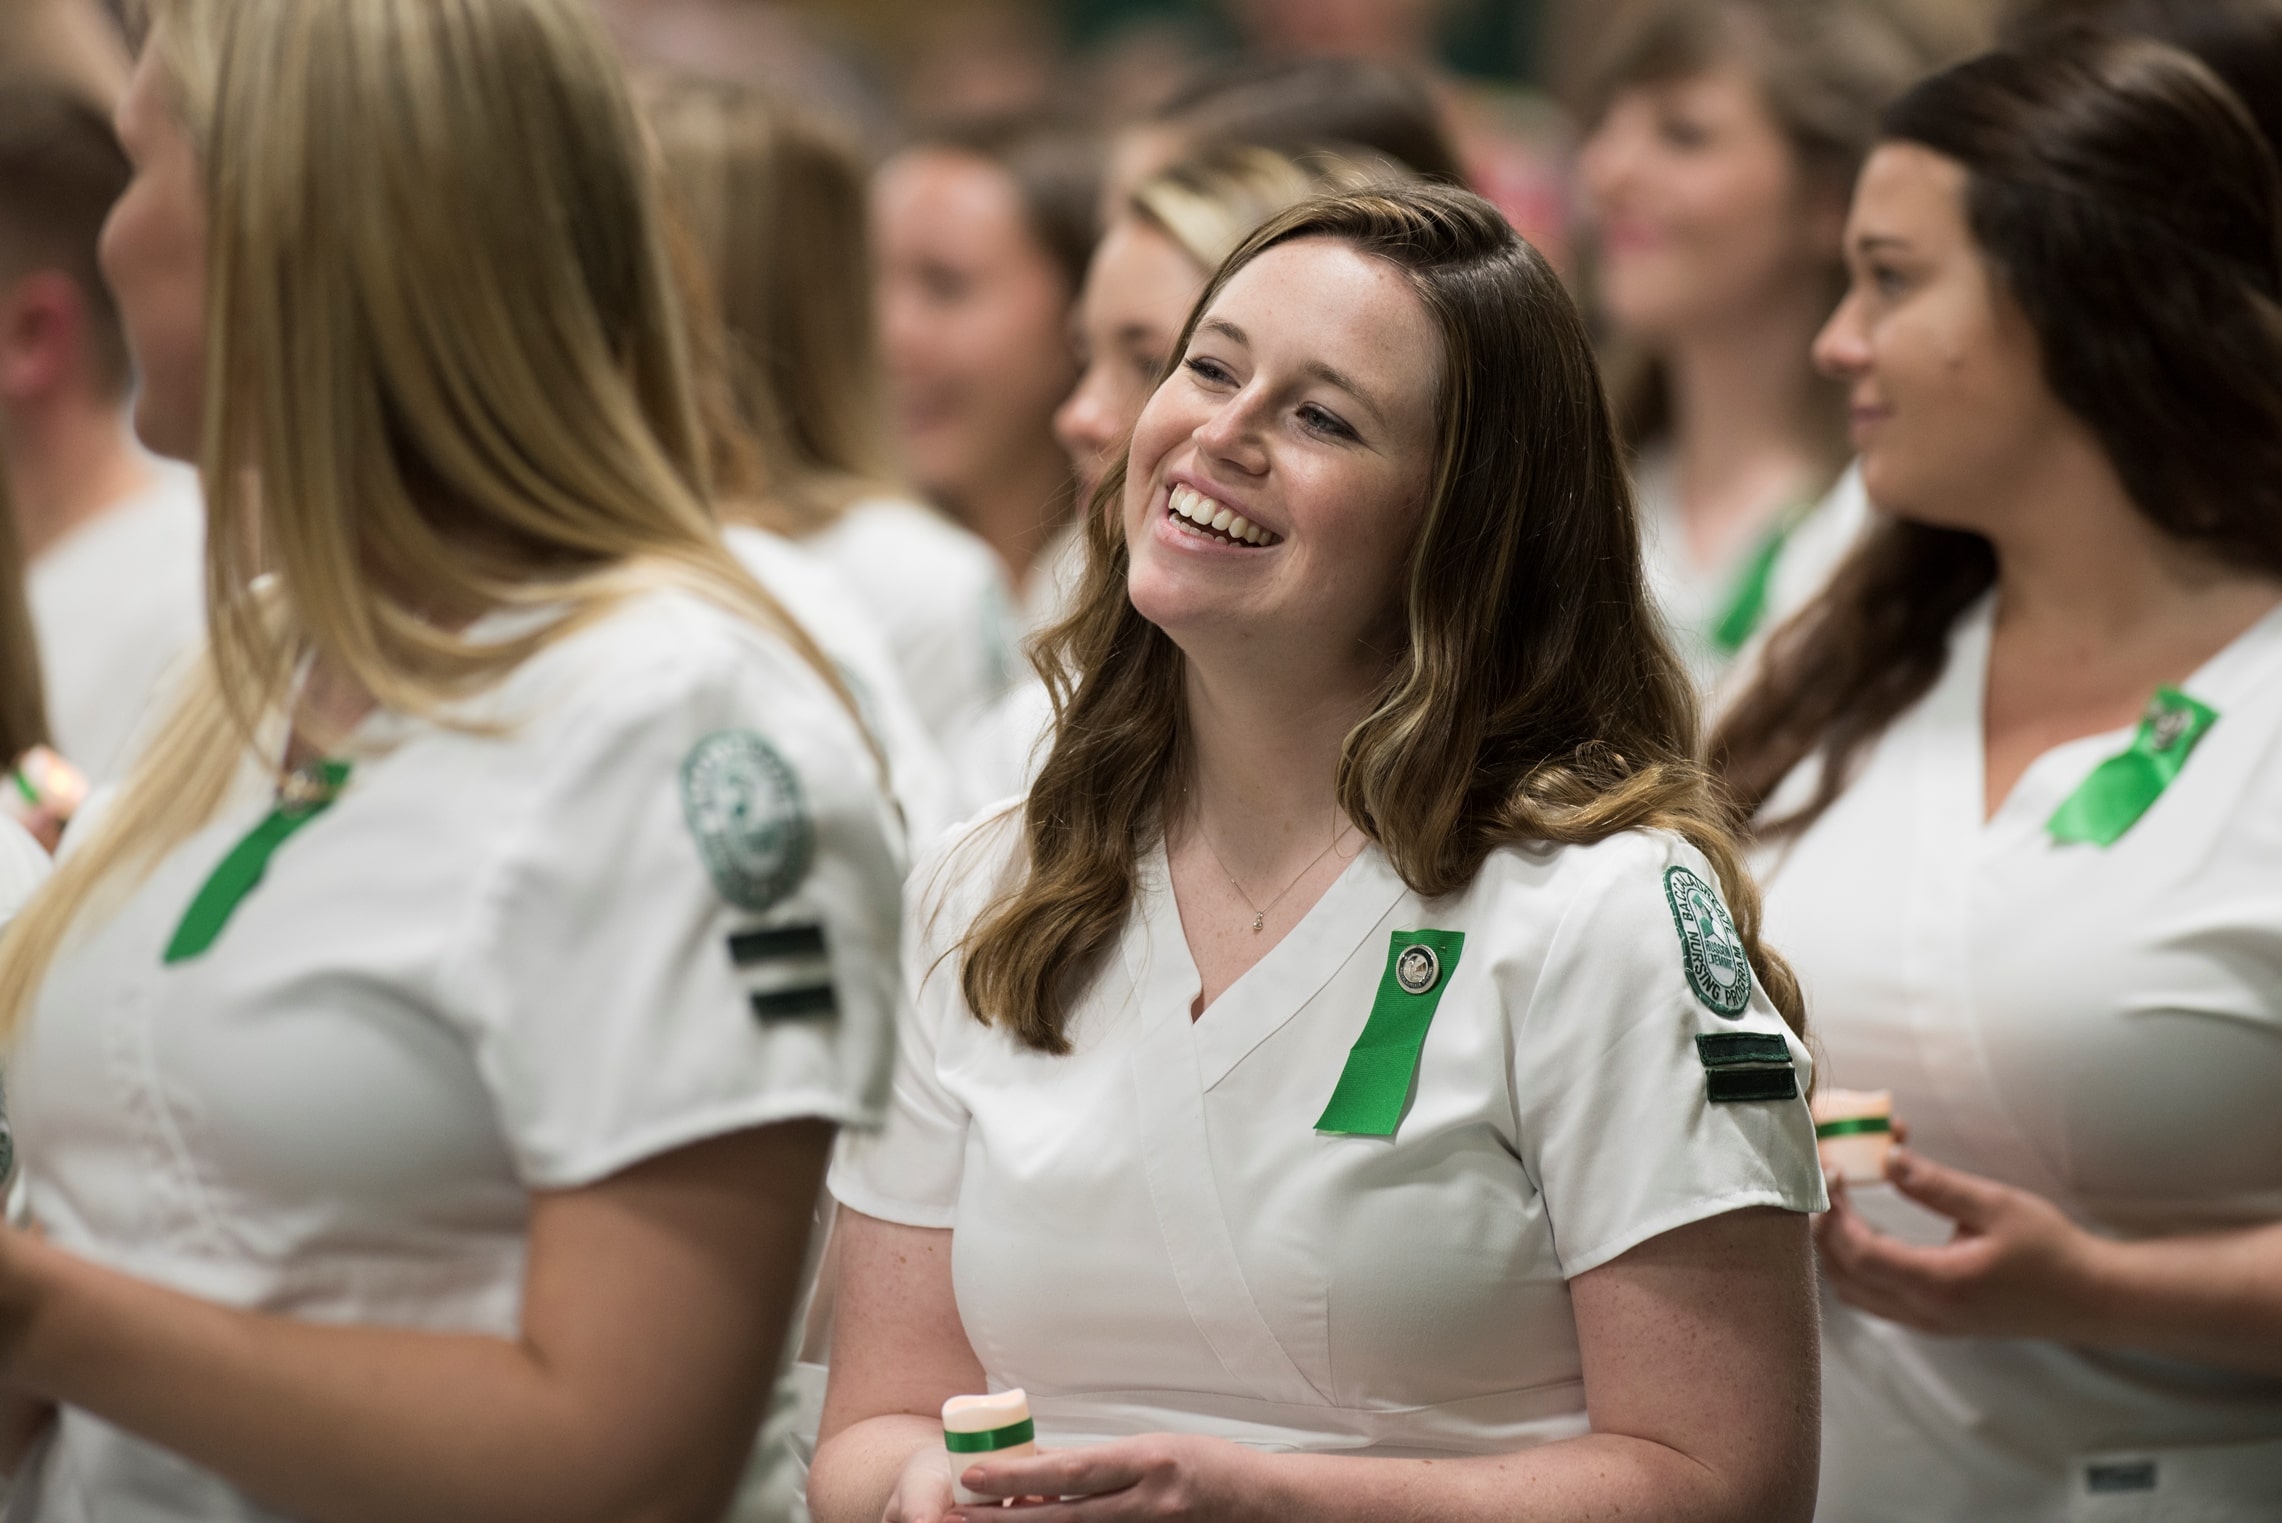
[(980, 1427)]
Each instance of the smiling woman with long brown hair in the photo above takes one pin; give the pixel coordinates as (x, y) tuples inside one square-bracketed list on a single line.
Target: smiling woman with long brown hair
[(1349, 1047)]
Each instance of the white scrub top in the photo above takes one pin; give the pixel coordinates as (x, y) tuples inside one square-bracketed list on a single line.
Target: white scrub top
[(937, 593), (1150, 1233), (997, 752), (845, 629), (660, 907), (115, 603), (2100, 1026), (1695, 597)]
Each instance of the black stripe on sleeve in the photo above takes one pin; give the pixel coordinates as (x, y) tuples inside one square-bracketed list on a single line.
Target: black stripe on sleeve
[(808, 1002), (1726, 1086), (775, 944), (1740, 1049)]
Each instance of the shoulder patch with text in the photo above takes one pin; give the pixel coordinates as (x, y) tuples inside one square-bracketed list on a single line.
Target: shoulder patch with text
[(744, 806), (1710, 949)]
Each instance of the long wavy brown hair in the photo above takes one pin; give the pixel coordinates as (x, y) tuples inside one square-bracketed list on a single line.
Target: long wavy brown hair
[(1532, 697), (2131, 208)]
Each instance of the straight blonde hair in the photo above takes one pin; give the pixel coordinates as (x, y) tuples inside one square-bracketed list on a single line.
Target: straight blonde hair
[(445, 375)]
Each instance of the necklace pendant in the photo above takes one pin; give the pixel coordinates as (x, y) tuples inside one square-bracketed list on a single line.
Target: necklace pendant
[(1257, 922)]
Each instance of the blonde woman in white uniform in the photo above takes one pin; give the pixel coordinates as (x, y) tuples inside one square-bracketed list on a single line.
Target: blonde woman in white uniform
[(773, 200), (424, 1069), (1341, 1089), (2018, 780)]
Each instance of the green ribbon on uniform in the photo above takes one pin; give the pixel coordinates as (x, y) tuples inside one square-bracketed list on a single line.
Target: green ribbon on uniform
[(307, 794), (1007, 1437), (1853, 1126), (2123, 787), (1374, 1087), (1747, 602)]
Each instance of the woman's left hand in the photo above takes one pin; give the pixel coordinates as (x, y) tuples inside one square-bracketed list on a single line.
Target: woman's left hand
[(2016, 1267), (1163, 1476)]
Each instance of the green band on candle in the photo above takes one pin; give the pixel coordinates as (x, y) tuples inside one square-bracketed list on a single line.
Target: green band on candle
[(1853, 1126), (1023, 1432)]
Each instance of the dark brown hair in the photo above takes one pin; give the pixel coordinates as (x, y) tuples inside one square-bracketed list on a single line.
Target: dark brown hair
[(60, 170), (2133, 211), (2239, 40), (1294, 105), (1533, 697), (1055, 165)]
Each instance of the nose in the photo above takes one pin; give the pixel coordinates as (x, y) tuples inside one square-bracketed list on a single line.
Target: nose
[(1842, 348), (1085, 425), (1234, 435)]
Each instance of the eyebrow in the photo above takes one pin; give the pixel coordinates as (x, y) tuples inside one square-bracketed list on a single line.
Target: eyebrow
[(1870, 241), (1316, 368)]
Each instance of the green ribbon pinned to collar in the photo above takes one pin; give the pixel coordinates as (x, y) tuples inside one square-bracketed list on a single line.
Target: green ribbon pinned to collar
[(2126, 785), (306, 794), (1746, 606), (1374, 1088)]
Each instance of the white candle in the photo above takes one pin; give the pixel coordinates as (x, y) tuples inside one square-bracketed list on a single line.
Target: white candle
[(997, 1426)]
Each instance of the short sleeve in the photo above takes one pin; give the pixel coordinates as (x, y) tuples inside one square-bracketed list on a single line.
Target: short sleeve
[(908, 1171), (1656, 1085), (694, 931)]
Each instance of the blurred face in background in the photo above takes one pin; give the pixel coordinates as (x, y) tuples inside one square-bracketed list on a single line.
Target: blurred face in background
[(1701, 208), (973, 322), (154, 259), (1945, 381), (1138, 293)]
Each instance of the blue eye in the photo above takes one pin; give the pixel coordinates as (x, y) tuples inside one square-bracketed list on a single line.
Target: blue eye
[(1208, 370), (1325, 423)]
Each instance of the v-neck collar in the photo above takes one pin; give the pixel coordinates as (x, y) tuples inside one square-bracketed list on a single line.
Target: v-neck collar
[(2225, 681), (1271, 991)]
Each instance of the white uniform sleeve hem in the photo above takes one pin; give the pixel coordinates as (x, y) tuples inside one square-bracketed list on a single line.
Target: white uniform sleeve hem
[(1806, 1203), (597, 1164), (855, 1197)]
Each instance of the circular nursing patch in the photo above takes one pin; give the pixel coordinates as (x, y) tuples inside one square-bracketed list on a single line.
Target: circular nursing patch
[(744, 806), (1710, 950), (1418, 969)]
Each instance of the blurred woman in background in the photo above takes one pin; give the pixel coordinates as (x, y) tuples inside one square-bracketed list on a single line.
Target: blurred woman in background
[(503, 916), (2017, 783), (773, 201), (981, 234), (1726, 136)]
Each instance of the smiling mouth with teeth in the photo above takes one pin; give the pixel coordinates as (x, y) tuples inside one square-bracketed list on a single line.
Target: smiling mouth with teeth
[(1199, 514)]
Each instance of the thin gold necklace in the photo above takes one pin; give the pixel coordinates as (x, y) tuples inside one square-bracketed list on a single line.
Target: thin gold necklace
[(1259, 911)]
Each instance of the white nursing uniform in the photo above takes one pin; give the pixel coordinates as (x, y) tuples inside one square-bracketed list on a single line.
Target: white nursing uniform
[(2102, 1026), (660, 907), (115, 604), (1150, 1233), (939, 595), (843, 626)]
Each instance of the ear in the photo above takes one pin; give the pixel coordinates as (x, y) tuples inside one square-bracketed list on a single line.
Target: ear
[(43, 336)]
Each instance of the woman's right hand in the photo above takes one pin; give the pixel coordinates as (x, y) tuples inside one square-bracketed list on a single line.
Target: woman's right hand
[(923, 1492)]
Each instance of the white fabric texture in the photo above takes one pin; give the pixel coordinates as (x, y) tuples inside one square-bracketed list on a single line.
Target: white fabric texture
[(938, 595), (115, 604), (500, 963), (2102, 1026), (1149, 1233)]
